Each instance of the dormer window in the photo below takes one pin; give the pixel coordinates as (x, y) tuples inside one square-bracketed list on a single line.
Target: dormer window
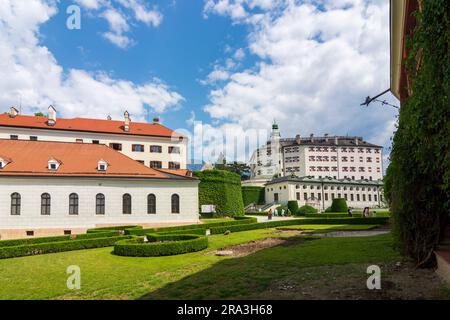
[(102, 165), (53, 164)]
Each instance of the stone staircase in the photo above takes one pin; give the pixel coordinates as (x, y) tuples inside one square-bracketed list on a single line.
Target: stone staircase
[(443, 257)]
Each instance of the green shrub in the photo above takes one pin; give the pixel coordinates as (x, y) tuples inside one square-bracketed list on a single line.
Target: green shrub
[(222, 189), (58, 246), (303, 210), (160, 245), (293, 207), (253, 194), (256, 213), (114, 228), (281, 223), (339, 205), (328, 209)]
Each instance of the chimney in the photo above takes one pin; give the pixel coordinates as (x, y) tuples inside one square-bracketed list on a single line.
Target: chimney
[(336, 142), (108, 117), (326, 137), (156, 120), (51, 121), (13, 112), (311, 137), (298, 139), (126, 126), (356, 141)]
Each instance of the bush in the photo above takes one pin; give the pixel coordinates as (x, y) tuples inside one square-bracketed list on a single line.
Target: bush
[(281, 223), (252, 194), (160, 245), (339, 205), (58, 246), (293, 207), (328, 209), (305, 210), (222, 189)]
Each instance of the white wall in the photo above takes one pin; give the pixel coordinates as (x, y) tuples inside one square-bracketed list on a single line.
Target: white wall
[(31, 189), (126, 140)]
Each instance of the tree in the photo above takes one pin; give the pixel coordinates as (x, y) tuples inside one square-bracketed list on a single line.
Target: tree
[(39, 114)]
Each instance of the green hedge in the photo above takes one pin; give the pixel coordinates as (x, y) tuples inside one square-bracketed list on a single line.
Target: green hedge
[(305, 210), (160, 245), (58, 246), (293, 207), (115, 228), (222, 189), (253, 194), (339, 205), (281, 223)]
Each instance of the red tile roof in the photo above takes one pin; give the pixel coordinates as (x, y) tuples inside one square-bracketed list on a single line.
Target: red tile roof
[(177, 172), (30, 158), (88, 125)]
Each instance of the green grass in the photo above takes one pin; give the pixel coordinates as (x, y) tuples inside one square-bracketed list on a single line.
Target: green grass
[(188, 276)]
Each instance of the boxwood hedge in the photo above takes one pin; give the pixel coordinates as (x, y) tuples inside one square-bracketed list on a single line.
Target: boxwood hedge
[(253, 194), (58, 246), (160, 245), (281, 223)]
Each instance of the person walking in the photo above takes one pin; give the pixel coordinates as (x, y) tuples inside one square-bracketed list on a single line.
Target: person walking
[(269, 215), (350, 212)]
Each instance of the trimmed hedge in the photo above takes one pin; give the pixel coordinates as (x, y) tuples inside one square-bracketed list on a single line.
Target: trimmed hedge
[(58, 246), (293, 207), (115, 228), (339, 205), (281, 223), (222, 189), (160, 245), (305, 210), (253, 194)]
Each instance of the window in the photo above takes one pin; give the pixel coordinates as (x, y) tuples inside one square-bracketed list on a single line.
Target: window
[(370, 197), (305, 196), (73, 204), (357, 197), (126, 204), (45, 204), (351, 197), (155, 149), (95, 142), (375, 197), (175, 203), (102, 165), (30, 233), (319, 196), (151, 204), (137, 148), (174, 165), (33, 138), (326, 196), (364, 197), (79, 140), (156, 164), (14, 137), (116, 146), (15, 204), (298, 195), (67, 232), (275, 197), (174, 149), (100, 204)]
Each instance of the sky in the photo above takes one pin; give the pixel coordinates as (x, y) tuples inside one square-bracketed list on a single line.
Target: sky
[(222, 68)]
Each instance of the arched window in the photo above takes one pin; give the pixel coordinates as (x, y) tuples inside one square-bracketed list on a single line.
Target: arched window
[(15, 204), (126, 204), (175, 203), (73, 204), (45, 204), (151, 204), (100, 203)]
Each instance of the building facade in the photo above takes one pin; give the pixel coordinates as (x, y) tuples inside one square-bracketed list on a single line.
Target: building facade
[(152, 144), (52, 188), (339, 157), (319, 193)]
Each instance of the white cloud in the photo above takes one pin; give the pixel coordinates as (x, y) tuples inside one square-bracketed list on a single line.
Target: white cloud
[(315, 67), (30, 73), (216, 75), (118, 14), (239, 54)]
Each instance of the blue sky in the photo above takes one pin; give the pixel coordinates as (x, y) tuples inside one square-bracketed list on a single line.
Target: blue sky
[(234, 65)]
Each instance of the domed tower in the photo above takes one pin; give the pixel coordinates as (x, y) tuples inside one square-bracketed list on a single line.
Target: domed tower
[(275, 134)]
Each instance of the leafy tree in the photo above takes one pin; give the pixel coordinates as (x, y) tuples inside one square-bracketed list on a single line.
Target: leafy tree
[(39, 114)]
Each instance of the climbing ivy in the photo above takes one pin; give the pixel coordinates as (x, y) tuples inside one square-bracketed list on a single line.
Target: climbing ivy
[(417, 179)]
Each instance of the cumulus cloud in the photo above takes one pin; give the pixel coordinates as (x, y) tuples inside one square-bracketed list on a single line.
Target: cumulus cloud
[(30, 73), (316, 61), (117, 13)]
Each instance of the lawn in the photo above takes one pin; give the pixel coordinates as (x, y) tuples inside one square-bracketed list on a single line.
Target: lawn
[(188, 276), (337, 227)]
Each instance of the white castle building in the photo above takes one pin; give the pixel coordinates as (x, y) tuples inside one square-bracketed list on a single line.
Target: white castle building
[(335, 161), (61, 176)]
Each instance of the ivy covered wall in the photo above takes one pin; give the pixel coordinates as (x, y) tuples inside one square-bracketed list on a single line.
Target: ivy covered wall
[(253, 194), (222, 189), (417, 180)]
